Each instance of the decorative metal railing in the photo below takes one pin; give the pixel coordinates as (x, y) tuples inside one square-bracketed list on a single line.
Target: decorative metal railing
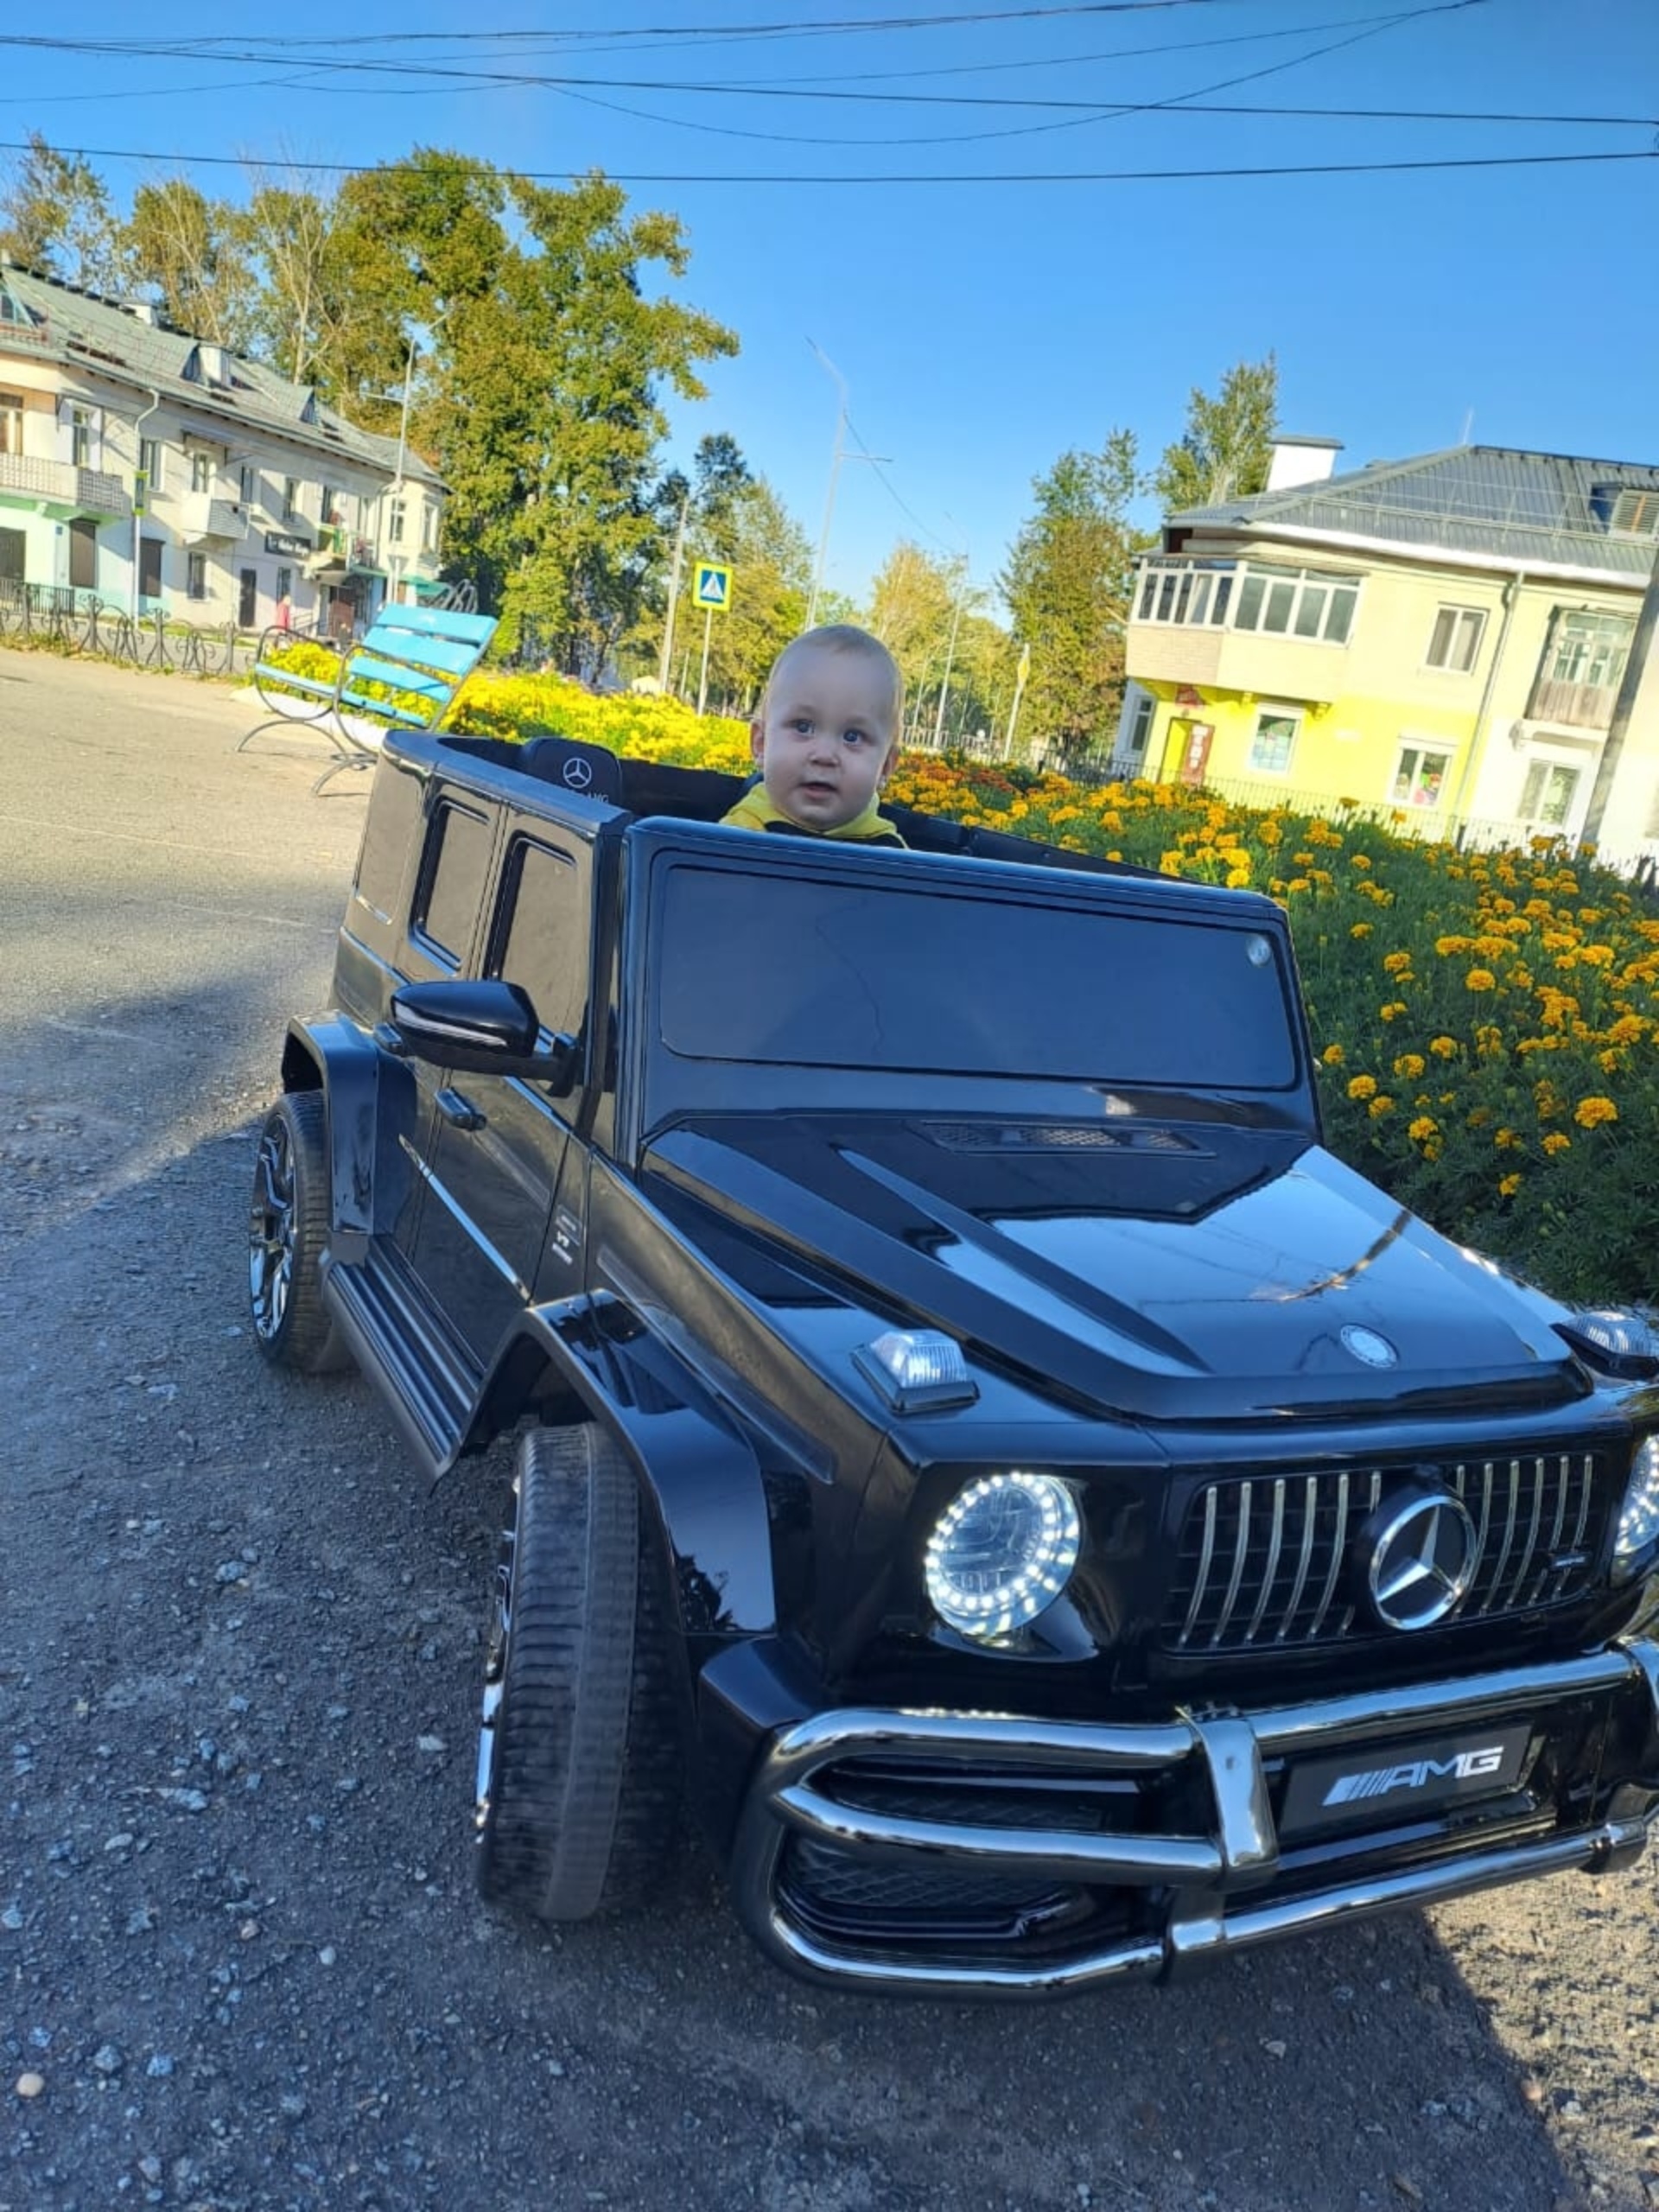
[(79, 621)]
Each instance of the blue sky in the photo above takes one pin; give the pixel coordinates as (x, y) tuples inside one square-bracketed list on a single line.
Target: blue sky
[(983, 328)]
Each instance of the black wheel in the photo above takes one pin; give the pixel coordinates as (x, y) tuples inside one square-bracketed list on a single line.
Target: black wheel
[(579, 1756), (287, 1228)]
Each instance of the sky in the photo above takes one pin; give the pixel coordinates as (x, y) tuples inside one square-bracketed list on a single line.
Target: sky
[(856, 189)]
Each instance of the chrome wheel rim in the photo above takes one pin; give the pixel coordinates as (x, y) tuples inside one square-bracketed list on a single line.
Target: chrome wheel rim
[(270, 1231), (495, 1668)]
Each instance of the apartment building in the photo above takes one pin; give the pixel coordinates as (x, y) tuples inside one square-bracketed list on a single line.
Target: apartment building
[(152, 470), (1446, 636)]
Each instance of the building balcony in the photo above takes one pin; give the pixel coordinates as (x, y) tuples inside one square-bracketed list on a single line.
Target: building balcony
[(1573, 706), (58, 488), (1242, 626), (202, 517)]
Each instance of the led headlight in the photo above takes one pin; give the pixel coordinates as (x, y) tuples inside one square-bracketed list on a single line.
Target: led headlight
[(1638, 1524), (1002, 1552)]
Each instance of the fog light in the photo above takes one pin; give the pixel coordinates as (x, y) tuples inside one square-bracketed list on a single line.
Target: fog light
[(1638, 1524), (1002, 1552)]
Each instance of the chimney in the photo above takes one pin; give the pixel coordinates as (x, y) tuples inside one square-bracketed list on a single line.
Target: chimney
[(1301, 460)]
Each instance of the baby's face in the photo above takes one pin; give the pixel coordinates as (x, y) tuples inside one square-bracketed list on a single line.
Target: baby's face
[(826, 742)]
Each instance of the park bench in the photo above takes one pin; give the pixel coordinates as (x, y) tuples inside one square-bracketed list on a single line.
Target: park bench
[(403, 673)]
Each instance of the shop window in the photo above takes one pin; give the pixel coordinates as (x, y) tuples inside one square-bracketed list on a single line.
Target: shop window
[(1274, 741), (1420, 775)]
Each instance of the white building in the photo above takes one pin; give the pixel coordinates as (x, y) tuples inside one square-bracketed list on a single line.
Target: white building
[(153, 470)]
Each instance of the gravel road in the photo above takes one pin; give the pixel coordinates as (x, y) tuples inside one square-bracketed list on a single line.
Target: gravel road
[(243, 1966)]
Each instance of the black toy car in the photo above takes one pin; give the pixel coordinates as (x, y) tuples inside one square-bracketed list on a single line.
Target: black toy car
[(1046, 1518)]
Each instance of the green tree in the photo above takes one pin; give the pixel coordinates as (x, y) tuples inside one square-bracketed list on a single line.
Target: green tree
[(1227, 447), (772, 576), (1067, 587), (55, 216), (192, 252)]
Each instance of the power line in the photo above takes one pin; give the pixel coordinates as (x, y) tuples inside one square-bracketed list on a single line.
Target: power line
[(842, 178)]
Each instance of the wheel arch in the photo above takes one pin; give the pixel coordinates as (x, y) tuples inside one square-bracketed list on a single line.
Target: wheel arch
[(368, 1097)]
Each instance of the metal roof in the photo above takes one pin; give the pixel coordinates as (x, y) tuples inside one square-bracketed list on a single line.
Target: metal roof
[(1494, 502), (79, 331)]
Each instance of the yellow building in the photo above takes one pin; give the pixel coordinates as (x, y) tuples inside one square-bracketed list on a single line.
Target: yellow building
[(1446, 636)]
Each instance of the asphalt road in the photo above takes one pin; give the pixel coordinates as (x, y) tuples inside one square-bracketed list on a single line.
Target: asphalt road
[(243, 1966)]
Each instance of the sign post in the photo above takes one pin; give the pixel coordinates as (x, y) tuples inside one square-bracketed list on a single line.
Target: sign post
[(1019, 694), (711, 590)]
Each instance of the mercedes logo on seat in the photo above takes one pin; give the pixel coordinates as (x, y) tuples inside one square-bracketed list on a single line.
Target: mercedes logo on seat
[(1422, 1560), (578, 774)]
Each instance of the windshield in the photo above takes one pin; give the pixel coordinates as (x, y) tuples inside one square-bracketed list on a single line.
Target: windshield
[(795, 970)]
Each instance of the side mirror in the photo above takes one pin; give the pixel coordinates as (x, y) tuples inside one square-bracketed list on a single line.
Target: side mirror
[(485, 1028)]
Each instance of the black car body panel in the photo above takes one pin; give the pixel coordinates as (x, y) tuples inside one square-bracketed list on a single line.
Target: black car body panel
[(787, 1098)]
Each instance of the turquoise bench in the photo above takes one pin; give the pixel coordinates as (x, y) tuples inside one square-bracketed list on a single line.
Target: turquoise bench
[(423, 654)]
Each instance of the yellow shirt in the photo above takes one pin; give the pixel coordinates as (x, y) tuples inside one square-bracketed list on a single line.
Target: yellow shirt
[(755, 810)]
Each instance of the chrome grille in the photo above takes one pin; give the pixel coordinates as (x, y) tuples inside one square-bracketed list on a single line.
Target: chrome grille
[(1262, 1558)]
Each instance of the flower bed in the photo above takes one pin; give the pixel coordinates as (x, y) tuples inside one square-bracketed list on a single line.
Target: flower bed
[(1485, 1021)]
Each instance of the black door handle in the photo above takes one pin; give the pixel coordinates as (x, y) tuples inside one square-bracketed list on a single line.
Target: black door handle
[(458, 1110)]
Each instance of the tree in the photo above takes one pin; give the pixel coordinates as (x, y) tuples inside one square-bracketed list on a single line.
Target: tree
[(192, 251), (55, 216), (1227, 448), (1067, 587), (771, 573)]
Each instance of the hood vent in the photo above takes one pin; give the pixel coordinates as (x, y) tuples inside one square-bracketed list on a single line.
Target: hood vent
[(1048, 1136)]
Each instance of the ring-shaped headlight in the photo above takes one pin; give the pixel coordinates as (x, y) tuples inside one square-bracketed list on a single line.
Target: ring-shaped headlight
[(1002, 1552), (1638, 1523)]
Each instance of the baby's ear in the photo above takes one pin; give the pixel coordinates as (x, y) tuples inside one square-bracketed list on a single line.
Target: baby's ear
[(758, 744)]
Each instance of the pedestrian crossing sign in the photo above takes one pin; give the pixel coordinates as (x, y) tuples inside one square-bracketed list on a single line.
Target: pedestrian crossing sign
[(713, 586)]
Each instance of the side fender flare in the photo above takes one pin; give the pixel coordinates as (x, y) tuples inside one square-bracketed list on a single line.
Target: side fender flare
[(371, 1099)]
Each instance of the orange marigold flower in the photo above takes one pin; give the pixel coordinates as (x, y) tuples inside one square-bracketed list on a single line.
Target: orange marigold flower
[(1360, 861), (1591, 1113), (1362, 1086), (1410, 1064), (1394, 1009), (1396, 964), (1506, 1141), (1448, 947), (1422, 1128), (1480, 979), (1444, 1048), (1508, 1185), (1333, 1056), (1297, 883), (1555, 1142), (1360, 929), (1379, 1106)]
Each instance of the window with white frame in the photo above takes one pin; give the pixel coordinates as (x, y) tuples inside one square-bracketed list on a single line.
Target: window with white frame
[(1589, 649), (397, 520), (1307, 603), (291, 499), (195, 575), (429, 527), (1420, 775), (201, 471), (1274, 741), (11, 421), (1454, 642), (81, 426), (247, 484), (1139, 730), (1546, 796), (150, 460)]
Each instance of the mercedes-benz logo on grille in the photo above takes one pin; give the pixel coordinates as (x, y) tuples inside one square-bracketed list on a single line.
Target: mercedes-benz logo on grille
[(1422, 1561), (577, 773), (1366, 1344)]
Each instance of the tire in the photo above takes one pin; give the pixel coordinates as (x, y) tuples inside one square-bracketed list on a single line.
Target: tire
[(288, 1232), (580, 1757)]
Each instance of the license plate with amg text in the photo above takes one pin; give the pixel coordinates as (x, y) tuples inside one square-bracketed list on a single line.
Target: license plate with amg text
[(1372, 1788)]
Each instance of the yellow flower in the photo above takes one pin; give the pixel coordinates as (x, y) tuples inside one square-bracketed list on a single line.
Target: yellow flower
[(1444, 1048), (1507, 1141), (1333, 1056), (1422, 1128), (1359, 929), (1480, 979), (1380, 1106), (1392, 1011), (1297, 883), (1396, 964), (1410, 1064), (1359, 861), (1362, 1086), (1591, 1113), (1555, 1142), (1448, 946), (1508, 1185)]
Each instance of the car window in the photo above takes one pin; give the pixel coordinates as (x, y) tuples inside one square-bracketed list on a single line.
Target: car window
[(451, 881), (542, 934)]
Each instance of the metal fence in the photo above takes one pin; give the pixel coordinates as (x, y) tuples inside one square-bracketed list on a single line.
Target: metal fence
[(80, 622)]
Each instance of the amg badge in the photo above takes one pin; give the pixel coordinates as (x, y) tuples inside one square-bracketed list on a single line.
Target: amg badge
[(1416, 1774)]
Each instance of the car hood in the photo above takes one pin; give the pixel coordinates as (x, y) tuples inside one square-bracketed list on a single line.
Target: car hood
[(1160, 1270)]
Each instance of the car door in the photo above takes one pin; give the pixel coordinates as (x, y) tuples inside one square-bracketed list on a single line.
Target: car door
[(501, 1140)]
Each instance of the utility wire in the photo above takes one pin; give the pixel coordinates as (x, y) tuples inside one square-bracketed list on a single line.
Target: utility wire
[(841, 178)]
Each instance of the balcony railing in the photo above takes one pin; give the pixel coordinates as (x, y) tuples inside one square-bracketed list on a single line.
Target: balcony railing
[(202, 516), (60, 484), (1579, 706)]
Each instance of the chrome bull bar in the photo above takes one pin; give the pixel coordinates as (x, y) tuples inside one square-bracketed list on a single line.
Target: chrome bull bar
[(1209, 1875)]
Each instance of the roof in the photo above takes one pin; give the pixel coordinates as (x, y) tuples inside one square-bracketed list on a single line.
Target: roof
[(80, 331), (1513, 509)]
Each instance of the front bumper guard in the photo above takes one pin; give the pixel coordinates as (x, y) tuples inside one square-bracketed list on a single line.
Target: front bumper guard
[(1209, 1877)]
